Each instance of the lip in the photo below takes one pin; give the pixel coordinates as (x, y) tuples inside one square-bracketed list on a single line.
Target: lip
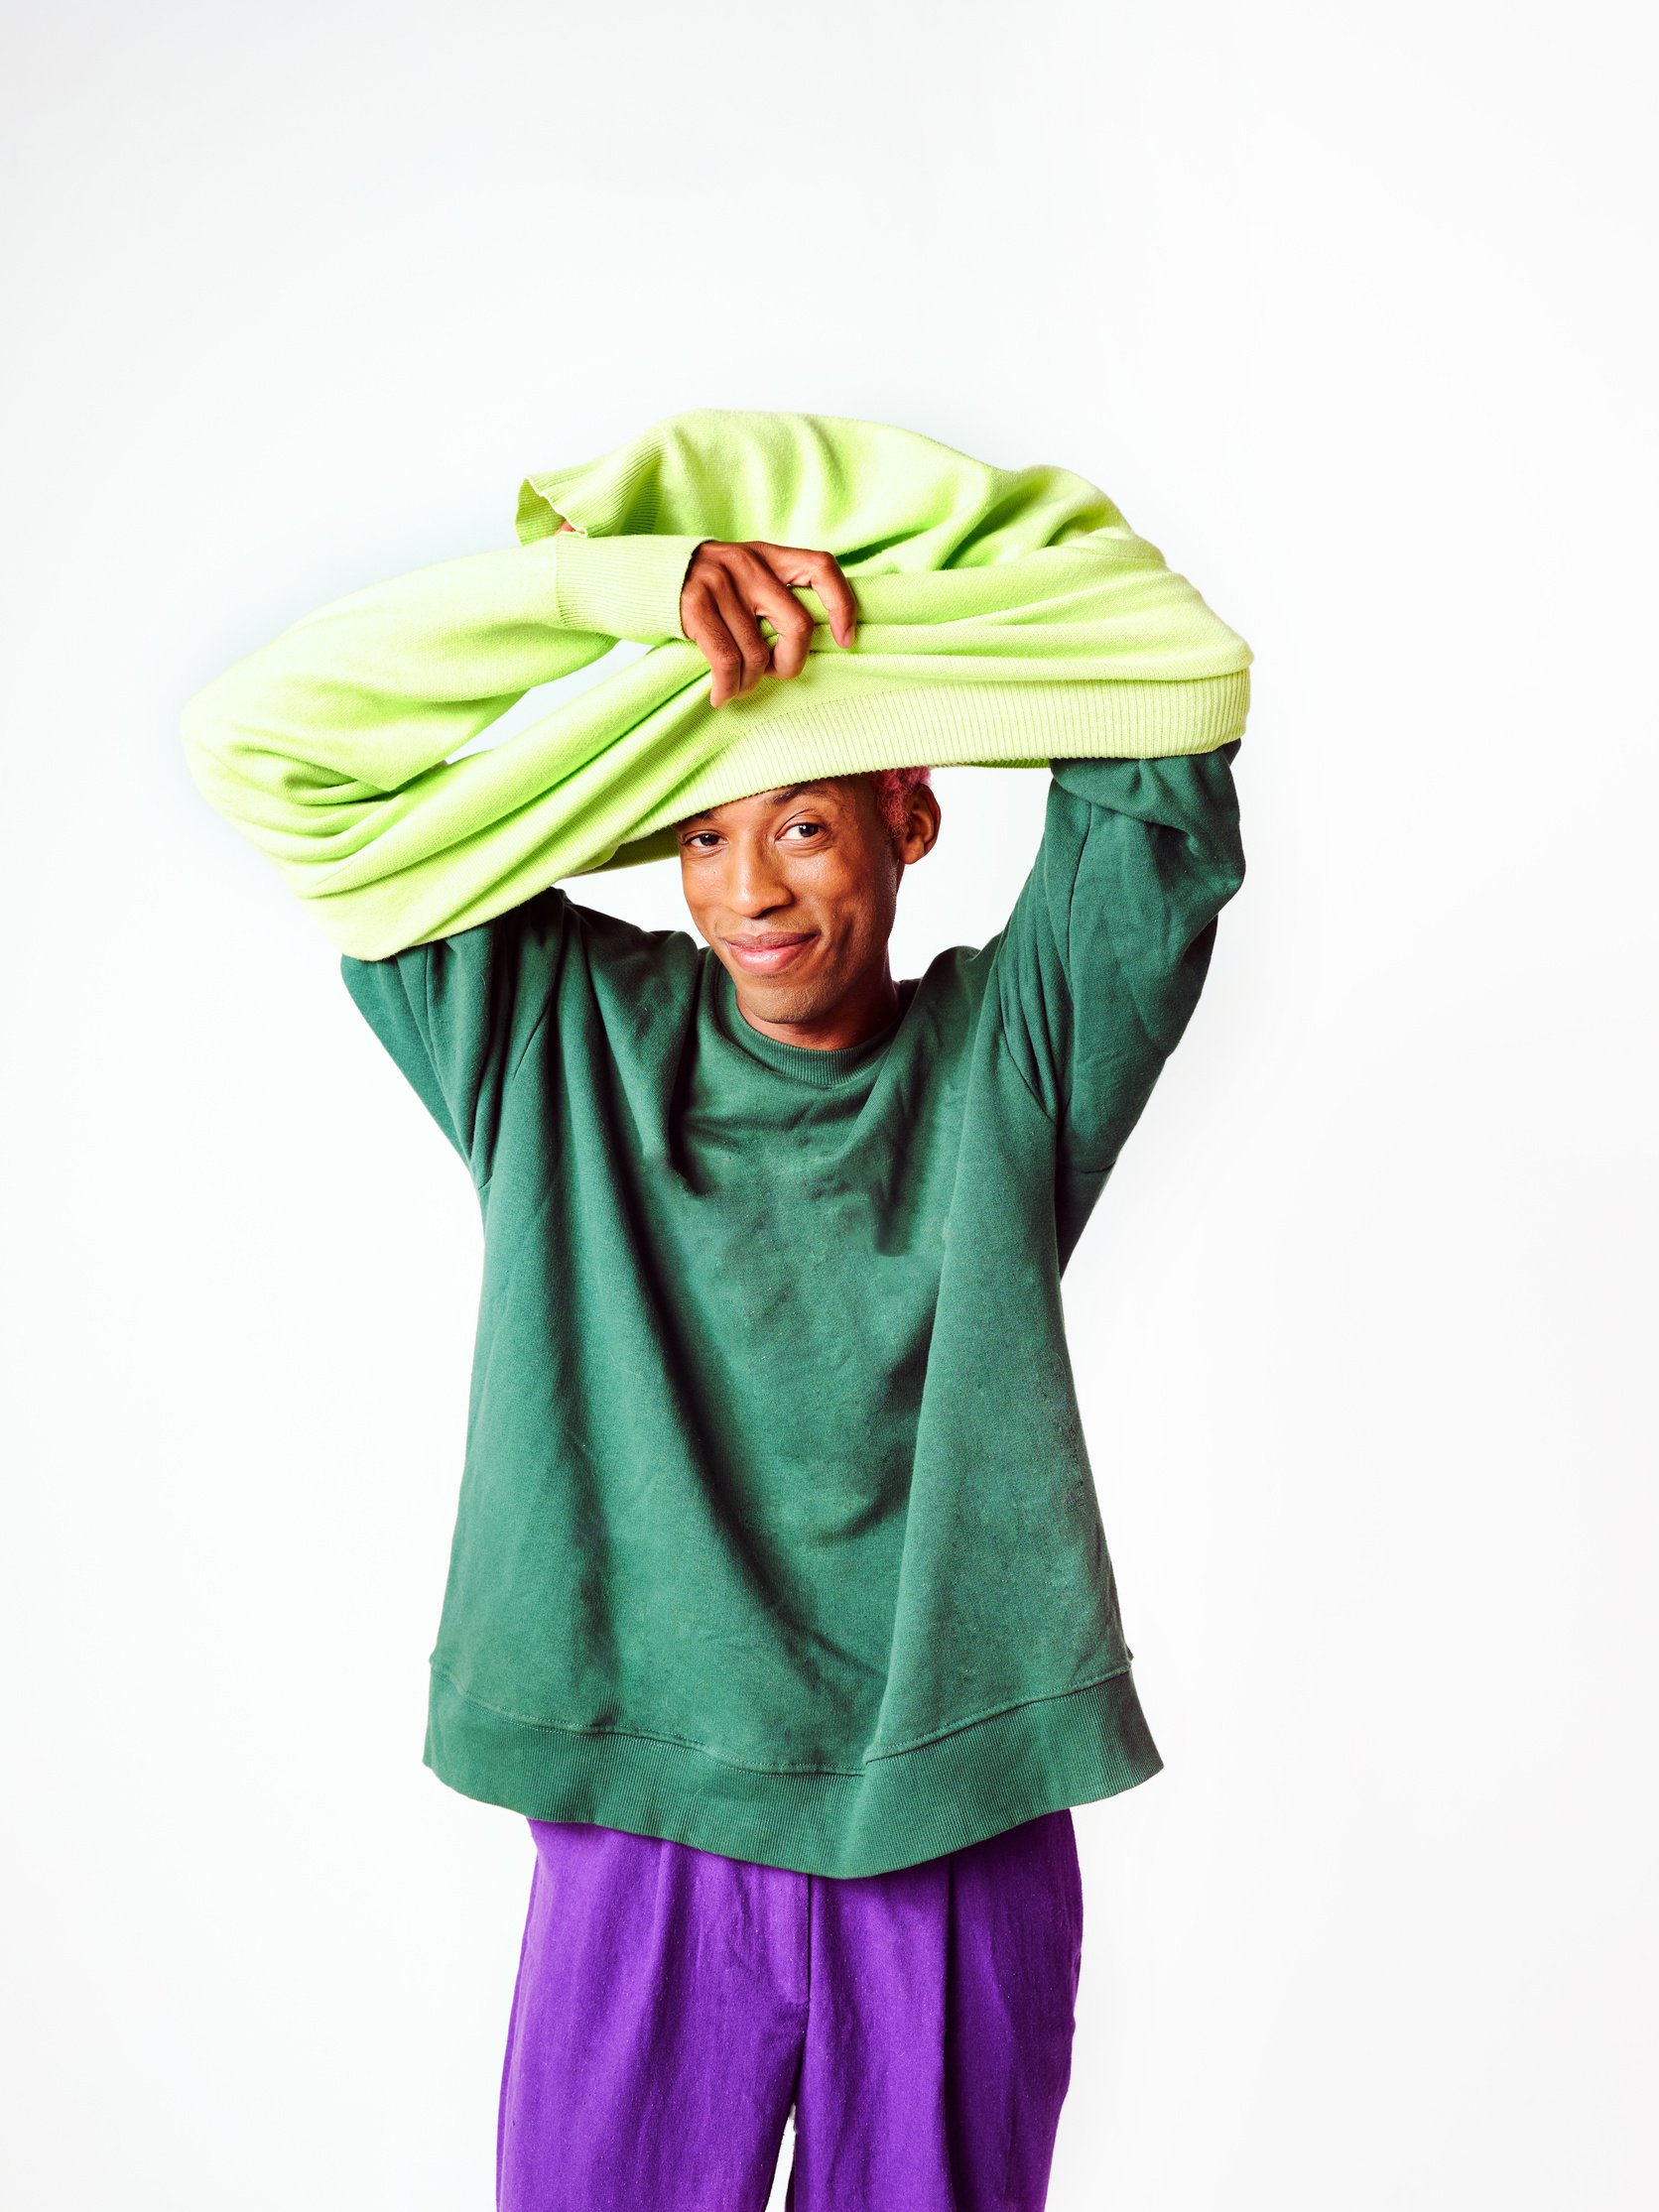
[(768, 955)]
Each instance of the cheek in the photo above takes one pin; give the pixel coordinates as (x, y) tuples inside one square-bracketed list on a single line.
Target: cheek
[(698, 905), (701, 877), (859, 920)]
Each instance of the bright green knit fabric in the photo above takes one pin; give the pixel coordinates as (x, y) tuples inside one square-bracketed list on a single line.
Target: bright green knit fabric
[(1007, 617)]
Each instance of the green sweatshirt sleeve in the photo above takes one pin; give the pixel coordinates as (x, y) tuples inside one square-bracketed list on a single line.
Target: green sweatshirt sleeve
[(1108, 946), (432, 1007), (456, 1016), (331, 748)]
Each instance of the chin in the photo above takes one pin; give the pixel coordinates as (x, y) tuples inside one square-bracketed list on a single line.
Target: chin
[(777, 1005), (783, 1001)]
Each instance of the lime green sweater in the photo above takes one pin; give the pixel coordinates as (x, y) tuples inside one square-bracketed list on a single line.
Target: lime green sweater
[(1007, 617)]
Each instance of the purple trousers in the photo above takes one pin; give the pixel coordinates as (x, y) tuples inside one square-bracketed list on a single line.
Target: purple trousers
[(672, 2006)]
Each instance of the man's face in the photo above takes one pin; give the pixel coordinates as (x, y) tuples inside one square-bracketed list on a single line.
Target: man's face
[(796, 890)]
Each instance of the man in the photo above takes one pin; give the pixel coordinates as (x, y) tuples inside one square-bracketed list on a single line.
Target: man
[(779, 1600)]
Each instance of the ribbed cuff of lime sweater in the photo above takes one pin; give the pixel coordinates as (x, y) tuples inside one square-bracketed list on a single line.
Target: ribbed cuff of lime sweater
[(622, 588)]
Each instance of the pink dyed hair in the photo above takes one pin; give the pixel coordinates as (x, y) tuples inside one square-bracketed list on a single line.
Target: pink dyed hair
[(893, 786)]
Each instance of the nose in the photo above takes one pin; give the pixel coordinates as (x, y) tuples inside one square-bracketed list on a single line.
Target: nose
[(755, 885)]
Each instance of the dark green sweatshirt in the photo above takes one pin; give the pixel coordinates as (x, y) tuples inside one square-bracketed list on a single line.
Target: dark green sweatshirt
[(777, 1532)]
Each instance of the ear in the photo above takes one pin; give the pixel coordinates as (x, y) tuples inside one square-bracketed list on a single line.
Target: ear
[(921, 827)]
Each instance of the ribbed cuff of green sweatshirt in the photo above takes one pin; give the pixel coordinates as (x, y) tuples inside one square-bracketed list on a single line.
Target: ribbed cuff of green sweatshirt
[(622, 588)]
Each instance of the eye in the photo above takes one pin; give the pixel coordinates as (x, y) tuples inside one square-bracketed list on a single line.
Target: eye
[(812, 830), (696, 835)]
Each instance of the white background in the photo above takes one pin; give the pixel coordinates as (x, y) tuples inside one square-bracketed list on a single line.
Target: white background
[(1348, 311)]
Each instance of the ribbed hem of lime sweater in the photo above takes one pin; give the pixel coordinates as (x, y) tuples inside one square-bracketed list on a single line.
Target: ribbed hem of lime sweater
[(896, 1809), (945, 725), (620, 587)]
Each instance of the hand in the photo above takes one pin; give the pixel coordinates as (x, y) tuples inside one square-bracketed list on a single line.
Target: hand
[(728, 589)]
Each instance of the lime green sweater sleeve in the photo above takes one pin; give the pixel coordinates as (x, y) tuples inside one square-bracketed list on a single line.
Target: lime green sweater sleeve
[(334, 744)]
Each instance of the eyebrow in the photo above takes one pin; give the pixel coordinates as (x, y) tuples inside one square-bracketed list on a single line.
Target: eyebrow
[(777, 798)]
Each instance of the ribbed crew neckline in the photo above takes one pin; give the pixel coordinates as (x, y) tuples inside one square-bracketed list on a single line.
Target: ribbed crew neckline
[(824, 1067)]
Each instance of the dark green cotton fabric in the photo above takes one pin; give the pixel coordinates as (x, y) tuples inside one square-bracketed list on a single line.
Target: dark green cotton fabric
[(777, 1532)]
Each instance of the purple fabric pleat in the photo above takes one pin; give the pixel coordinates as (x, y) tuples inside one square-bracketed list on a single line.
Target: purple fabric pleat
[(672, 2006)]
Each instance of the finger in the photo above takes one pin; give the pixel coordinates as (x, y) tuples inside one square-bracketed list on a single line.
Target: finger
[(806, 564), (707, 629), (742, 629), (788, 618)]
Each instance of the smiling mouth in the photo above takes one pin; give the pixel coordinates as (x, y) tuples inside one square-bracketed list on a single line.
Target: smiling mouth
[(768, 955)]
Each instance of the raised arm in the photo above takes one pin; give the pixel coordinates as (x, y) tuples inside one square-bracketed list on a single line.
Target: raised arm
[(1109, 943)]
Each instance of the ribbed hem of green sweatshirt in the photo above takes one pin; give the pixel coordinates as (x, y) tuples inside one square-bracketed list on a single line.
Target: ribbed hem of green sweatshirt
[(900, 1808)]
